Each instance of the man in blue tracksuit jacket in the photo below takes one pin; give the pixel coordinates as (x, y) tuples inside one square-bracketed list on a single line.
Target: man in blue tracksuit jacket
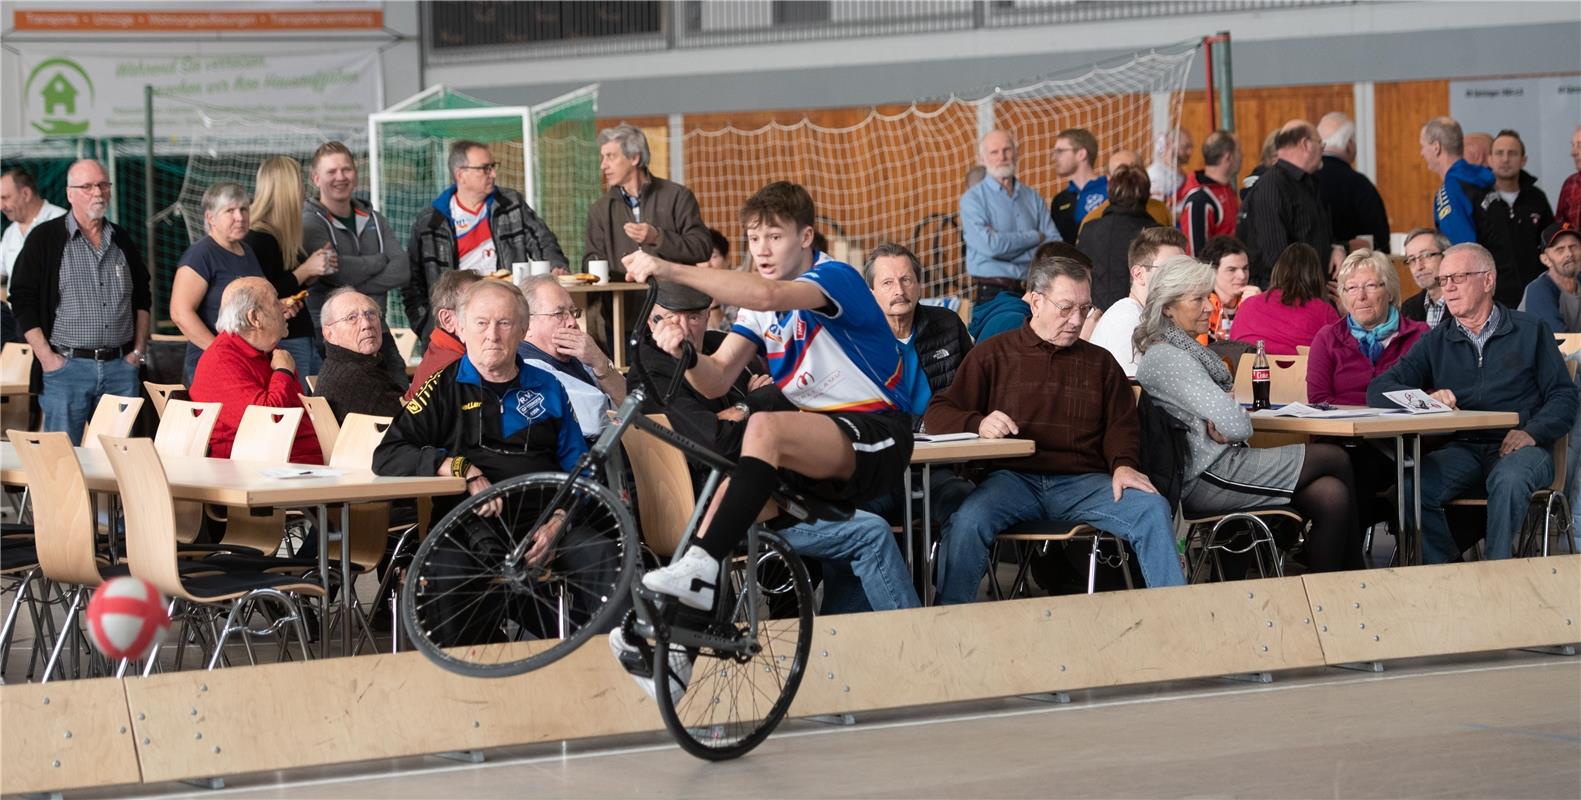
[(1487, 358), (1463, 183)]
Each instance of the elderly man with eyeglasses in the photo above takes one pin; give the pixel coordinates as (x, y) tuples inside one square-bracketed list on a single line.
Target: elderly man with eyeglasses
[(1424, 251), (1488, 358), (557, 345), (353, 378)]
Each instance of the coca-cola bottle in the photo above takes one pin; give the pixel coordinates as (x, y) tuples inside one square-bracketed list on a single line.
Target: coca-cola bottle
[(1260, 378)]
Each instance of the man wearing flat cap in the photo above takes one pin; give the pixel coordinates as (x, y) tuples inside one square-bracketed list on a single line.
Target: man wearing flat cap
[(714, 421)]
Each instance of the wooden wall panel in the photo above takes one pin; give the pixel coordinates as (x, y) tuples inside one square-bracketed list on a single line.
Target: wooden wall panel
[(1404, 181), (65, 735), (1259, 111)]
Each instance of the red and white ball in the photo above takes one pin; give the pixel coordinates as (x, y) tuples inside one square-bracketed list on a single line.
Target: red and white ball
[(126, 618)]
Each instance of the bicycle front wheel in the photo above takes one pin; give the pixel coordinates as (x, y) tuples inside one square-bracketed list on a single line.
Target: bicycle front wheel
[(732, 703), (469, 609)]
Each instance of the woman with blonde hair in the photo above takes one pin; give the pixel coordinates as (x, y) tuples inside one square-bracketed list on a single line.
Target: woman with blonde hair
[(276, 239), (1193, 385), (1346, 355)]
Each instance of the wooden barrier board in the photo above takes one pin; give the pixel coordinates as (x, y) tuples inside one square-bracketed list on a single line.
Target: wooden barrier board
[(65, 735), (1452, 608)]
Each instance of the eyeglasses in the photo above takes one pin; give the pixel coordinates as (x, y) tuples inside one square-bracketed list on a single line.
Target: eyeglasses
[(1065, 311), (1459, 277), (1423, 257), (1368, 287), (492, 166), (368, 315), (573, 313), (102, 188)]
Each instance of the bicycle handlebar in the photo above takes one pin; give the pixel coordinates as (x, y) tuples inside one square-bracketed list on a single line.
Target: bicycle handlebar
[(634, 345)]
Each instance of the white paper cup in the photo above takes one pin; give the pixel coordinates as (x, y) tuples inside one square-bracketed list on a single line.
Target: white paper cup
[(520, 270), (599, 268), (540, 267)]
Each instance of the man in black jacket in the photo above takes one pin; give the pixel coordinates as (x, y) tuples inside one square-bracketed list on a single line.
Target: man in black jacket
[(81, 298), (475, 225), (1354, 205), (1511, 218), (1284, 206)]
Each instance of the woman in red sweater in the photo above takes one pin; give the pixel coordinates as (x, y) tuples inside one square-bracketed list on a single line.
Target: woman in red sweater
[(1293, 309), (243, 367)]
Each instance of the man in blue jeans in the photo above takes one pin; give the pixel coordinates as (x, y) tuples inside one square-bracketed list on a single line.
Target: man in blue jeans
[(1070, 397), (1487, 358), (81, 297)]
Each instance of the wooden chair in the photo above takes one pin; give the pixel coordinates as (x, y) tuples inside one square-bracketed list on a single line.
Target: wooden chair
[(185, 428), (1569, 343), (312, 383), (151, 554), (1034, 539), (324, 422), (360, 435), (265, 435), (114, 416), (16, 369), (160, 394), (666, 498), (405, 342), (1287, 378)]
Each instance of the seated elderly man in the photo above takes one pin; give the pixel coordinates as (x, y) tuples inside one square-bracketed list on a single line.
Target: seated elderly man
[(444, 342), (243, 367), (353, 378), (861, 565), (1072, 400), (1487, 358), (486, 418), (556, 345)]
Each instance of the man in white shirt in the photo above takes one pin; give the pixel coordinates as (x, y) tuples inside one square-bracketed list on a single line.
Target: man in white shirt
[(1148, 251), (22, 205)]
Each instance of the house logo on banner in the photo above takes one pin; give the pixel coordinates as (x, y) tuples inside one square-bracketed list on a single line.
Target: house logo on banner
[(59, 97)]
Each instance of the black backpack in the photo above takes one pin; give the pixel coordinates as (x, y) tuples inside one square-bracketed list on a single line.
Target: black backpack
[(1164, 449)]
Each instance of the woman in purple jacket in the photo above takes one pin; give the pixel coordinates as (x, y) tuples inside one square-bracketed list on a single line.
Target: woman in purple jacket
[(1346, 355)]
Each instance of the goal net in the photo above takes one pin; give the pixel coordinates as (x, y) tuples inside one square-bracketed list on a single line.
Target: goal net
[(897, 175)]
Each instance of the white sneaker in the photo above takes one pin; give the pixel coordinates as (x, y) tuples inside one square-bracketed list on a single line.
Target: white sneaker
[(680, 667), (691, 580)]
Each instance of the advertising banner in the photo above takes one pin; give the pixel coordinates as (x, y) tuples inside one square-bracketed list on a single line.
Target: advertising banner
[(1544, 111)]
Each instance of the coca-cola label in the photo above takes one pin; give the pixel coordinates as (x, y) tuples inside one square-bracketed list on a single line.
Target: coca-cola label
[(1260, 374)]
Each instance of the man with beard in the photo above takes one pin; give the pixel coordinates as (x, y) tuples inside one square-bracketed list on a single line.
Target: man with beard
[(1002, 221), (1553, 297)]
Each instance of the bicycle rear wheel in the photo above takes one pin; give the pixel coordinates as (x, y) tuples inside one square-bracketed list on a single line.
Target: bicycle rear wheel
[(471, 612), (731, 705)]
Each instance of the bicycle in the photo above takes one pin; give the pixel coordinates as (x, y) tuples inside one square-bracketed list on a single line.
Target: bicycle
[(476, 604)]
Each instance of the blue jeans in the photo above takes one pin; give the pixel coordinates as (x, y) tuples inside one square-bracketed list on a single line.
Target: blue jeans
[(72, 392), (1007, 497), (1458, 469), (862, 566), (306, 356)]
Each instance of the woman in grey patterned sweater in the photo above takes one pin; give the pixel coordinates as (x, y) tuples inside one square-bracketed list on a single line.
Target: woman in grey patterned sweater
[(1222, 474)]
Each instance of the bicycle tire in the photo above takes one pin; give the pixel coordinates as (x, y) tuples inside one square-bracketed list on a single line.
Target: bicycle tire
[(468, 613), (721, 685)]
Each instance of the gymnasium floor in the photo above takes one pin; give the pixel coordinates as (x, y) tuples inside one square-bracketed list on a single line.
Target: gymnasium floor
[(1496, 725)]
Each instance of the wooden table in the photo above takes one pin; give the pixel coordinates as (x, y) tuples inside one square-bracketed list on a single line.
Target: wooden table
[(925, 455), (1406, 430), (222, 481), (580, 293)]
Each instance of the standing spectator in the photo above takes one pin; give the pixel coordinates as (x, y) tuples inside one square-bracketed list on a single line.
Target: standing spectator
[(1569, 206), (368, 255), (1002, 222), (1293, 309), (1355, 208), (209, 265), (640, 210), (1424, 250), (1209, 203), (276, 239), (1107, 240), (1075, 160), (1464, 183), (444, 344), (1151, 249), (354, 380), (1266, 158), (1552, 297), (241, 366), (1348, 354), (1156, 208), (1478, 147), (1284, 206), (1232, 273), (81, 298), (1530, 379), (25, 207), (1166, 175), (473, 225), (1511, 218)]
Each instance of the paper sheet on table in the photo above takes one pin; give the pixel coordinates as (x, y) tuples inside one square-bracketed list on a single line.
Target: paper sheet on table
[(300, 472), (945, 437), (1305, 411), (1417, 401)]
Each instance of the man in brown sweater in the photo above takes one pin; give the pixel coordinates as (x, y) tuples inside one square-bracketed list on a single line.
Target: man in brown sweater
[(1071, 398)]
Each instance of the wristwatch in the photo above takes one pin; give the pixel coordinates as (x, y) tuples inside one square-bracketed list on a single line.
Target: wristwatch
[(745, 409), (601, 374)]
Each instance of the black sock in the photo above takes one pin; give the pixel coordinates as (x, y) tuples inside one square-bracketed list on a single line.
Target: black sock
[(750, 486)]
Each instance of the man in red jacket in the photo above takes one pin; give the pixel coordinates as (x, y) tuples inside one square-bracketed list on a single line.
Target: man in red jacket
[(244, 368), (444, 344)]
